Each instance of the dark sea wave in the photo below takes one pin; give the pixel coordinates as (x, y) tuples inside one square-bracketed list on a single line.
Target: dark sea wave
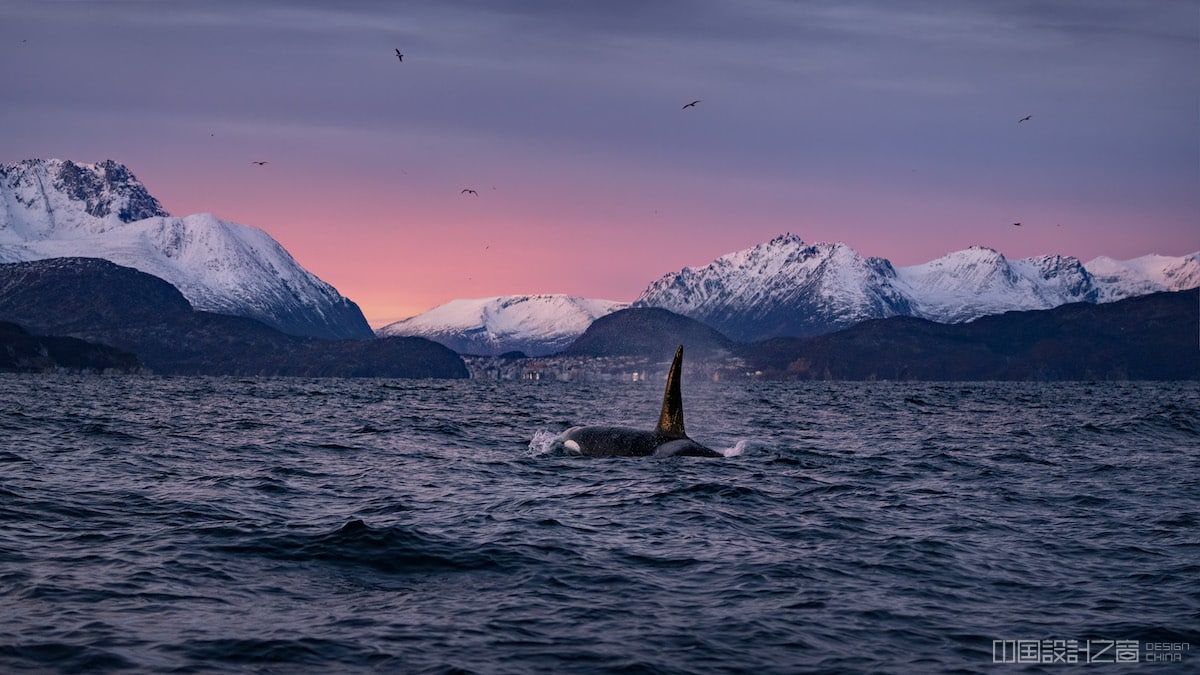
[(200, 525)]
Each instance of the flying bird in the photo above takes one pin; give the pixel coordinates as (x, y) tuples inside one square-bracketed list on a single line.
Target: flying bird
[(259, 163), (1025, 119), (399, 56), (1016, 224), (691, 105), (469, 191)]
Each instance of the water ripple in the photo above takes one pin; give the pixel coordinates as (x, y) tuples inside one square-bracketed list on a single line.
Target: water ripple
[(208, 524)]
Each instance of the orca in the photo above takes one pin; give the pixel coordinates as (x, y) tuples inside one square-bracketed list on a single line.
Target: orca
[(667, 440)]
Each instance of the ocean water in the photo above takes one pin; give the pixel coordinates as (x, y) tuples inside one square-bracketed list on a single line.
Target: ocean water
[(282, 525)]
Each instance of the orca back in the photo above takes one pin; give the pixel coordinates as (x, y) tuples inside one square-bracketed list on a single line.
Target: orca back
[(669, 439)]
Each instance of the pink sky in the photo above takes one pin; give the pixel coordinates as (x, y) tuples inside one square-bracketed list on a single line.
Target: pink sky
[(889, 126), (399, 244)]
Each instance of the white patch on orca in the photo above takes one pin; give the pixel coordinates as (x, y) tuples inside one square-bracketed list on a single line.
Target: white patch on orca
[(553, 443)]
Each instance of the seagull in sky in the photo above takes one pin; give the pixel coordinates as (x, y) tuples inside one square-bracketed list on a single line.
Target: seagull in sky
[(399, 56), (259, 163), (1025, 119), (691, 105), (469, 191), (1016, 224)]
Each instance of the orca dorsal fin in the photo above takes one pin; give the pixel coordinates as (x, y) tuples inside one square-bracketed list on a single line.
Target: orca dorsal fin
[(670, 421)]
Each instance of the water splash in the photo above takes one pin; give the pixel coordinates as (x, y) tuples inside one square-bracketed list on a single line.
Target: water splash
[(547, 443), (737, 449)]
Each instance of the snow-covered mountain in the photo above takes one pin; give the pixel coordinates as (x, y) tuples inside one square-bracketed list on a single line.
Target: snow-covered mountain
[(782, 287), (968, 284), (1117, 279), (55, 208), (788, 287), (534, 324)]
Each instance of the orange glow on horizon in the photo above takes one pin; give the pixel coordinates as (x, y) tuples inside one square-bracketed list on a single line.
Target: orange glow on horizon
[(400, 249)]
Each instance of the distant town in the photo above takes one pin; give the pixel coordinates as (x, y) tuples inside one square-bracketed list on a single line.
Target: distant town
[(602, 368)]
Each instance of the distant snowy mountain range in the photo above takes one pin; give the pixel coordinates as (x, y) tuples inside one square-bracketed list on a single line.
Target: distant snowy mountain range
[(787, 287), (54, 208), (534, 324), (1117, 279)]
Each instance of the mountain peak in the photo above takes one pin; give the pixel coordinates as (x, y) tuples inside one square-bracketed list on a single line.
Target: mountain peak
[(788, 287), (975, 252), (51, 208), (1145, 274), (104, 190), (534, 324), (786, 238)]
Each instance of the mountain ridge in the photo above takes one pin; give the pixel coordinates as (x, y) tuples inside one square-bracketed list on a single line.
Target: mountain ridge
[(97, 300), (645, 331), (535, 324), (786, 287), (782, 287), (1147, 337), (54, 208)]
